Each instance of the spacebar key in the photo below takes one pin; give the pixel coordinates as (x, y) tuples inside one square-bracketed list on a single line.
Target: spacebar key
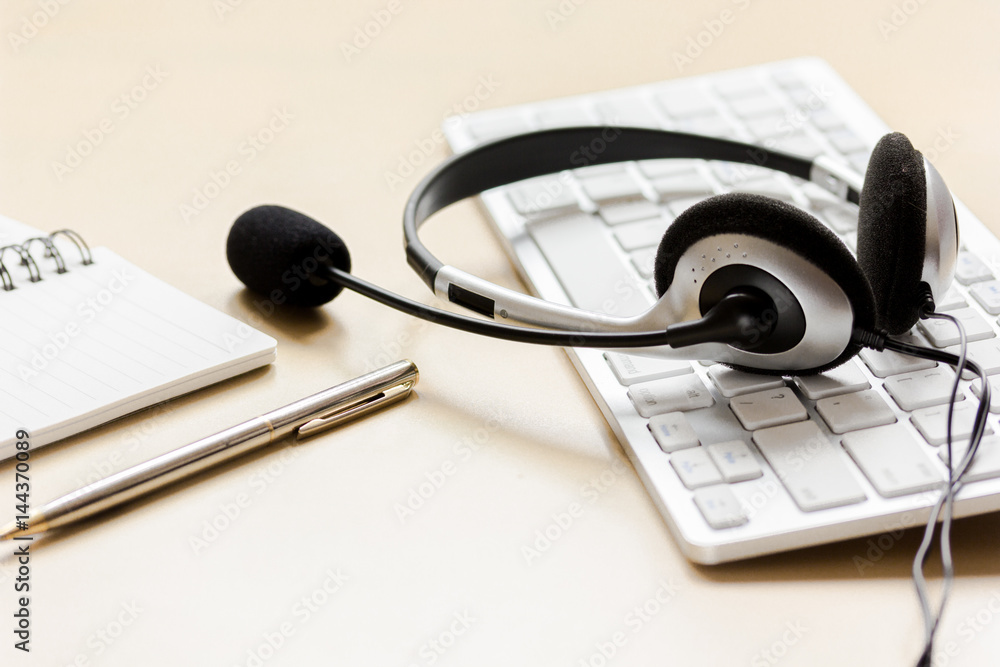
[(812, 468), (580, 252)]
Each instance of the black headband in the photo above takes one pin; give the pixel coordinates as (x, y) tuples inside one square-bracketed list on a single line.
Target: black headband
[(534, 154)]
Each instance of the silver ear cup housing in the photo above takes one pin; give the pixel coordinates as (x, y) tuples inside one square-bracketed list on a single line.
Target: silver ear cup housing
[(942, 240)]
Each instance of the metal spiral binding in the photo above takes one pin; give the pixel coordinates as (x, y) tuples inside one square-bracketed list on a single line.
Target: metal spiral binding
[(23, 251)]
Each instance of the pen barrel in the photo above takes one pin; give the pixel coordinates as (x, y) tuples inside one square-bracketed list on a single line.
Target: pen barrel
[(307, 416), (159, 472)]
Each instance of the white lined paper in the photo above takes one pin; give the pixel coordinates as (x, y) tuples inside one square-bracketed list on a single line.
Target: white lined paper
[(102, 340)]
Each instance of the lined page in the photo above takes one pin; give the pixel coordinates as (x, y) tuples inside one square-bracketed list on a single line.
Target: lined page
[(102, 340)]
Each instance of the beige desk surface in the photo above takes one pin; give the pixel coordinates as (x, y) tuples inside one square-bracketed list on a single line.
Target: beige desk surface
[(448, 585)]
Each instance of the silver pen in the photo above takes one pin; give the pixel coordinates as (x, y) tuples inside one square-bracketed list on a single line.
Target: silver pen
[(303, 418)]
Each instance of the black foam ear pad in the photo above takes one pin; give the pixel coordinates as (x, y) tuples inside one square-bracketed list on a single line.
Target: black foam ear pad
[(781, 223), (892, 229)]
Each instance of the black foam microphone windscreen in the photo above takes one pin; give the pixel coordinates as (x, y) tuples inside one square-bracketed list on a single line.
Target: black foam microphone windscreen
[(277, 252)]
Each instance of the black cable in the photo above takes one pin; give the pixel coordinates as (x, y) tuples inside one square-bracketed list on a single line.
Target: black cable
[(729, 321), (955, 477)]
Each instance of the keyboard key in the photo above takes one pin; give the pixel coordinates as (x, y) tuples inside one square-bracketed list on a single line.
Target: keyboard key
[(824, 119), (787, 77), (685, 102), (682, 185), (713, 125), (766, 126), (893, 460), (719, 506), (951, 300), (821, 197), (922, 389), (595, 284), (596, 170), (851, 412), (732, 382), (631, 369), (810, 98), (657, 168), (495, 127), (737, 86), (970, 269), (548, 195), (695, 468), (842, 218), (994, 392), (943, 333), (809, 465), (630, 111), (843, 379), (859, 160), (563, 115), (988, 295), (798, 143), (933, 422), (670, 395), (673, 432), (986, 353), (735, 461), (732, 173), (885, 363), (767, 408), (644, 260), (641, 234), (611, 186), (845, 141), (618, 212), (756, 105), (986, 463)]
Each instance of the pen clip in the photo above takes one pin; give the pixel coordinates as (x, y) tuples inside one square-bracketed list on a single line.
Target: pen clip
[(363, 405)]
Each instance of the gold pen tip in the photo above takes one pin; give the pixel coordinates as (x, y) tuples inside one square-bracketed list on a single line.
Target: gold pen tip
[(7, 532)]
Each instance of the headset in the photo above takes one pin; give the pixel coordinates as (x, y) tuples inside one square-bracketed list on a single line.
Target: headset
[(741, 279)]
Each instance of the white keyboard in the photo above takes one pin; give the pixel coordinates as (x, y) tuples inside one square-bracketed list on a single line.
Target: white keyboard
[(742, 465)]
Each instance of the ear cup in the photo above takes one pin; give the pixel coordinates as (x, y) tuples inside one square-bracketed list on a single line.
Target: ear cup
[(778, 222), (892, 230)]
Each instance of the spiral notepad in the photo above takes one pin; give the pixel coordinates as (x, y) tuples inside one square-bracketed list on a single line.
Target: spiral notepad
[(86, 337)]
